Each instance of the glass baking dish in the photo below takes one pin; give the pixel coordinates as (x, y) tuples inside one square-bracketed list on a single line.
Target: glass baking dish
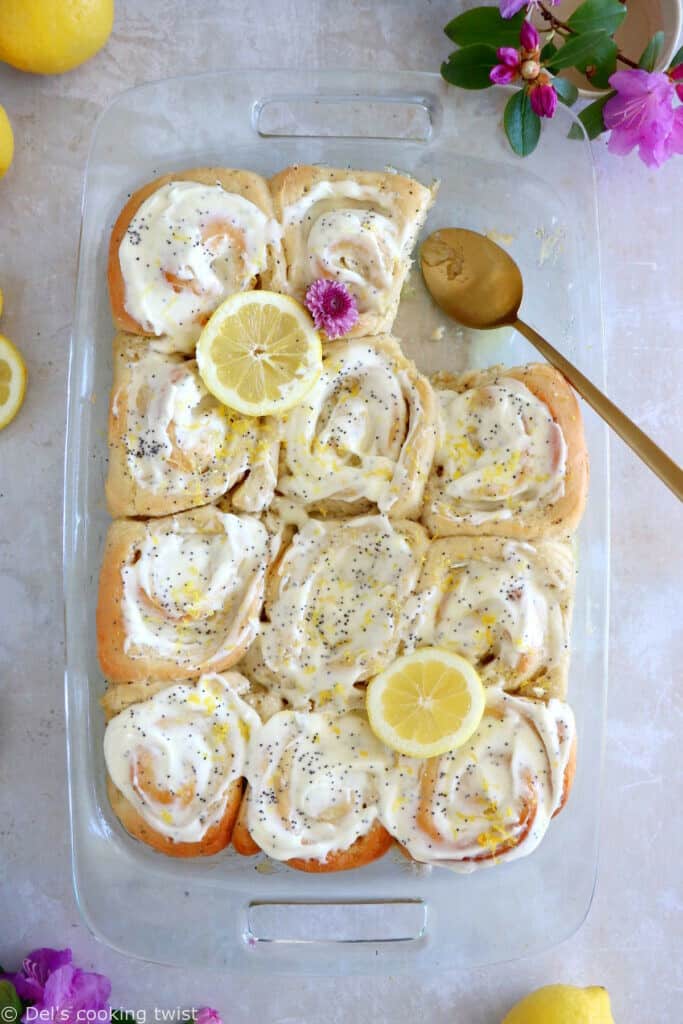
[(253, 914)]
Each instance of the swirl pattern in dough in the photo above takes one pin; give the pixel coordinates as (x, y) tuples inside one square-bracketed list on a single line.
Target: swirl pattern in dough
[(504, 605), (172, 446), (175, 762), (355, 227), (492, 799), (313, 793), (180, 595), (185, 242), (364, 436), (511, 456), (333, 608)]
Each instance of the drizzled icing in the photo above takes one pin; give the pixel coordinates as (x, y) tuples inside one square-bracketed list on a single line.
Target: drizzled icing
[(493, 798), (176, 755), (351, 237), (187, 247), (182, 443), (313, 783), (500, 453), (509, 614), (334, 613), (362, 434), (191, 592)]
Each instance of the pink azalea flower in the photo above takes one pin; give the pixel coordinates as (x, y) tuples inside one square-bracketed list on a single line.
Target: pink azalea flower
[(332, 307), (642, 115), (57, 989), (529, 37), (509, 67), (208, 1016)]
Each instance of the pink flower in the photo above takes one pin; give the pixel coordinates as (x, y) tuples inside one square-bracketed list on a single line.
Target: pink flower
[(642, 115), (543, 97), (529, 37), (508, 8), (208, 1016), (332, 307), (58, 990), (509, 67)]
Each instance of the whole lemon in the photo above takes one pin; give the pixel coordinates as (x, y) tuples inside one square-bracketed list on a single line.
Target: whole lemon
[(6, 142), (563, 1004), (48, 37)]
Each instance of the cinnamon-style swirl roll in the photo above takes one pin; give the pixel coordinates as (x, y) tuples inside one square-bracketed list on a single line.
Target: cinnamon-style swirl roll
[(492, 799), (364, 437), (176, 759), (180, 595), (185, 242), (312, 799), (333, 608), (504, 605), (355, 227), (172, 446), (511, 457)]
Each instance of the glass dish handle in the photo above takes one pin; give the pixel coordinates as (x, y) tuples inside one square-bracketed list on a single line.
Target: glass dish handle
[(406, 116), (374, 922)]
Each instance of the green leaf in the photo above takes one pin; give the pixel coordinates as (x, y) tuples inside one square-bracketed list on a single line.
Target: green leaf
[(11, 1007), (522, 124), (548, 52), (579, 48), (598, 14), (651, 53), (591, 118), (485, 25), (566, 90), (470, 67), (677, 58), (601, 64)]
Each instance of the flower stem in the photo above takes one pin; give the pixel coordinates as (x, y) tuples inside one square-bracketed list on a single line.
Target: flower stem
[(565, 29)]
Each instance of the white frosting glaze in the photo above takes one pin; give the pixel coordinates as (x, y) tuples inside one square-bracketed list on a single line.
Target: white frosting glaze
[(187, 248), (176, 755), (362, 433), (352, 237), (500, 453), (509, 616), (189, 593), (490, 800), (334, 615), (314, 781), (179, 440)]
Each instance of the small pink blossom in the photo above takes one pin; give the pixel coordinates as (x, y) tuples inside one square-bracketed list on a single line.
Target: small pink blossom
[(508, 8), (509, 67), (529, 37), (332, 307), (543, 97), (206, 1015), (642, 115)]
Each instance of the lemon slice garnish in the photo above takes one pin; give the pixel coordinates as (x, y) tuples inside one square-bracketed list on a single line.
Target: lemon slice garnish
[(426, 703), (259, 353), (12, 381)]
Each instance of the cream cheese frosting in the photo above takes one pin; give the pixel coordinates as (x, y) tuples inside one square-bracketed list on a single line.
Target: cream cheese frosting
[(187, 247), (490, 800), (314, 783), (499, 454), (176, 755)]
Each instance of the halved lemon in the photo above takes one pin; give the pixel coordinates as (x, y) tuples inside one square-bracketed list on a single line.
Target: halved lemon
[(426, 703), (259, 353), (12, 381)]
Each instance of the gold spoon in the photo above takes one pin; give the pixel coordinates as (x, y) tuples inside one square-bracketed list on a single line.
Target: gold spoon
[(478, 284)]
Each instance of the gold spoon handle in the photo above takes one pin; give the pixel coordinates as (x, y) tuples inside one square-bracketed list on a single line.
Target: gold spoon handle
[(651, 454)]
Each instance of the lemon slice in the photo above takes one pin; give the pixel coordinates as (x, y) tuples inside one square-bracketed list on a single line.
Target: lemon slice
[(259, 353), (426, 703), (12, 381)]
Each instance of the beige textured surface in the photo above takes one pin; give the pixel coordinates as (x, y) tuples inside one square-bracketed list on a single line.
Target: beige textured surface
[(633, 939)]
